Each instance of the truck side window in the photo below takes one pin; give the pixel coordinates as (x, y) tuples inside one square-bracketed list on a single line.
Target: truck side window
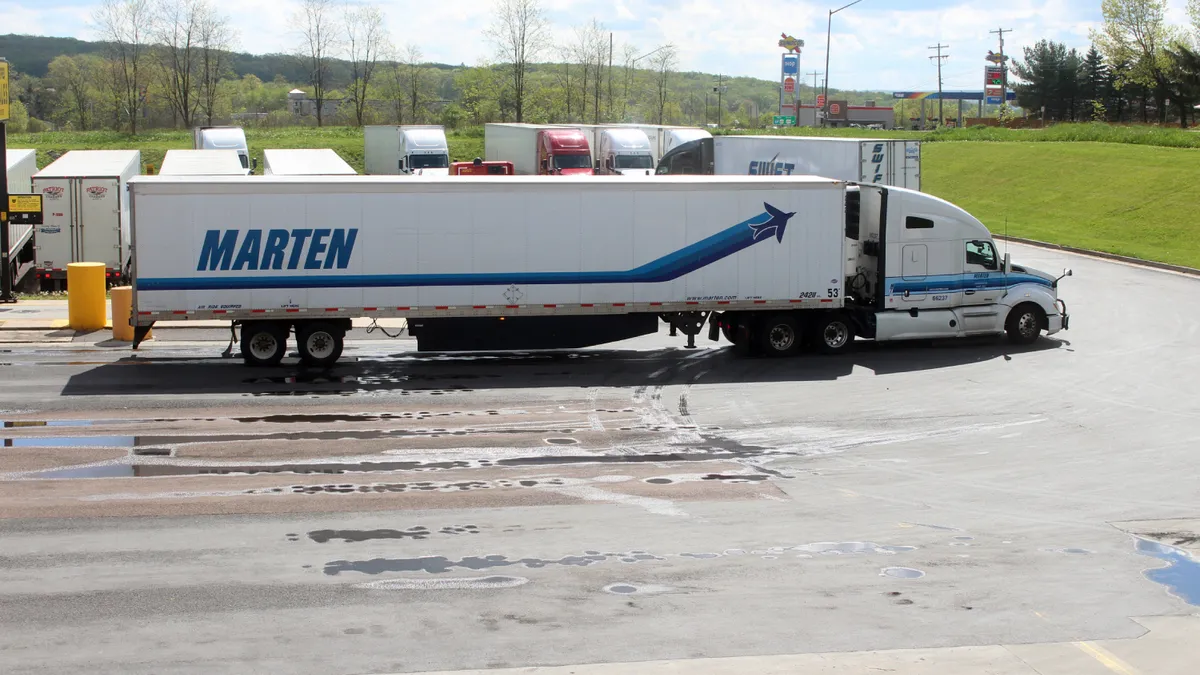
[(917, 223), (981, 253)]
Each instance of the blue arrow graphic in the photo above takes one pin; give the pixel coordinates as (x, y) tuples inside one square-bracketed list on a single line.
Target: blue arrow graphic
[(671, 266)]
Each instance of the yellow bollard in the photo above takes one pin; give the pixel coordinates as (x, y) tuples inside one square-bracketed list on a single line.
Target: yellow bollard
[(122, 310), (85, 296)]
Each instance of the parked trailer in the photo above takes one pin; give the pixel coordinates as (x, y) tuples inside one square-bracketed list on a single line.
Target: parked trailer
[(391, 150), (539, 149), (85, 213), (535, 263), (883, 161), (21, 164), (202, 163), (305, 162)]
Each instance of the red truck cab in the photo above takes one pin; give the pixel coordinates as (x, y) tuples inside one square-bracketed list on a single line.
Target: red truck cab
[(481, 168), (563, 152)]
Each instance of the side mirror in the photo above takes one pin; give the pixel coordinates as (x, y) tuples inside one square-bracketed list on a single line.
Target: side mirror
[(254, 165), (1007, 264)]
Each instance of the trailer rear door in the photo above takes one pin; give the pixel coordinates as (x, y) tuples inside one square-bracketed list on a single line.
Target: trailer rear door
[(55, 234), (99, 221)]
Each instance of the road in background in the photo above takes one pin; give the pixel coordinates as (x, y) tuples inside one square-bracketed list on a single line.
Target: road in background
[(174, 512)]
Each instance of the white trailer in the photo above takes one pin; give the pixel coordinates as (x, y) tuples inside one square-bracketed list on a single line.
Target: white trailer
[(21, 164), (202, 163), (883, 161), (85, 212), (391, 150), (305, 162), (532, 262)]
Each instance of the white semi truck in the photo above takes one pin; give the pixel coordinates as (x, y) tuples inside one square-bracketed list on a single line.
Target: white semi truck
[(391, 150), (305, 162), (664, 139), (883, 161), (21, 165), (85, 212), (618, 150), (224, 138), (539, 262)]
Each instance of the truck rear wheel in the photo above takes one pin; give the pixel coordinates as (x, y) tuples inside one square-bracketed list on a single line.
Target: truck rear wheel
[(779, 335), (320, 344), (833, 334), (264, 343)]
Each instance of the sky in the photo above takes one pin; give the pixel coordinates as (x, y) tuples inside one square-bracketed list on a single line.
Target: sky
[(875, 45)]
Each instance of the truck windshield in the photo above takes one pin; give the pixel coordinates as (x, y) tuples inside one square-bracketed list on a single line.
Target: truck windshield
[(635, 162), (572, 162), (429, 161)]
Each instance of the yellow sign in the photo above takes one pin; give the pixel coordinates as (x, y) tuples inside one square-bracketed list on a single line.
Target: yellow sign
[(25, 203), (3, 90)]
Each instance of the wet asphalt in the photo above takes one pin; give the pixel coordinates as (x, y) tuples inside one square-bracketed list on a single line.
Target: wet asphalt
[(174, 512)]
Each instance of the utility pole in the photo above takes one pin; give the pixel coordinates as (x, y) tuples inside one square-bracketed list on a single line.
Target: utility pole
[(938, 59), (720, 89), (1003, 66), (6, 290), (814, 74), (610, 55)]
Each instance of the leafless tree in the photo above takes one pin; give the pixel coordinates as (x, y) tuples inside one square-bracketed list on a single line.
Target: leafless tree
[(628, 57), (177, 32), (125, 28), (317, 24), (414, 78), (590, 50), (565, 54), (216, 42), (520, 32), (366, 39), (664, 63)]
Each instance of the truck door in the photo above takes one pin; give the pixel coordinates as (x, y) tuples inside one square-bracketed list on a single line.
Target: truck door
[(54, 236), (99, 222), (914, 268)]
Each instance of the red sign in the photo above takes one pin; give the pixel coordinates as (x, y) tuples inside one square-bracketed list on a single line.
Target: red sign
[(789, 85), (97, 192), (52, 192), (835, 109), (820, 100)]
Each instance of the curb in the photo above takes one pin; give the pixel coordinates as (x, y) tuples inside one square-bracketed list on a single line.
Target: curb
[(1167, 267)]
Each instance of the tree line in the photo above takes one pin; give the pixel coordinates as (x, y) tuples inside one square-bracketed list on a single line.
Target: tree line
[(1139, 68)]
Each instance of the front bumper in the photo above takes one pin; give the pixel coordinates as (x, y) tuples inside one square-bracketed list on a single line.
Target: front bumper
[(1060, 321)]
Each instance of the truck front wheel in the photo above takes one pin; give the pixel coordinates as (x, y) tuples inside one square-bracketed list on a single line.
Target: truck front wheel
[(264, 343), (1024, 324), (779, 335), (320, 344)]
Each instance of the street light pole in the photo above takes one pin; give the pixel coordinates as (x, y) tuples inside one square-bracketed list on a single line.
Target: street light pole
[(630, 65), (828, 35)]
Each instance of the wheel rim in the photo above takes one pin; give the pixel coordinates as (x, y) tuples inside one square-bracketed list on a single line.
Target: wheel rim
[(319, 345), (836, 335), (782, 337), (263, 345), (1027, 325)]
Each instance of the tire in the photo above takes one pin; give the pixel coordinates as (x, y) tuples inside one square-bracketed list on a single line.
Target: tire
[(1024, 324), (833, 334), (320, 344), (728, 333), (779, 336), (264, 343)]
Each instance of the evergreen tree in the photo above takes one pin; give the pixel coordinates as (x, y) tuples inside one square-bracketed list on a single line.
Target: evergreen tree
[(1095, 79)]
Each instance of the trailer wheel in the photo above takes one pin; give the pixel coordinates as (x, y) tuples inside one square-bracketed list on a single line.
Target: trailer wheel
[(729, 333), (320, 344), (1024, 324), (833, 334), (264, 343), (779, 335)]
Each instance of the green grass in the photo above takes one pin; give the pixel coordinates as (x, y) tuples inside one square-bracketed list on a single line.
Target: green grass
[(1119, 198), (1125, 190)]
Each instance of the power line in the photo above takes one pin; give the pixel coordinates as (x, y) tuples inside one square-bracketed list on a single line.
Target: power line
[(938, 60)]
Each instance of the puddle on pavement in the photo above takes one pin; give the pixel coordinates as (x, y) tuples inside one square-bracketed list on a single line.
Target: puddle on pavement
[(21, 424), (72, 442), (462, 583), (562, 441), (442, 564), (901, 573), (626, 588), (1181, 575), (89, 471), (419, 533)]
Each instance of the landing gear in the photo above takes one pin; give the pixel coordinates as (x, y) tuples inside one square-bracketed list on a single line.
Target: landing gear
[(689, 323)]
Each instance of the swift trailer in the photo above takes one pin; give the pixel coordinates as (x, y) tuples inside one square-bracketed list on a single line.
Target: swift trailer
[(391, 150), (510, 262), (305, 162), (85, 212), (538, 149), (882, 161)]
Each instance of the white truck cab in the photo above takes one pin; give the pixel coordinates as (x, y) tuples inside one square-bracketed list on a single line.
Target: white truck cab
[(224, 138), (932, 270), (408, 150), (624, 151)]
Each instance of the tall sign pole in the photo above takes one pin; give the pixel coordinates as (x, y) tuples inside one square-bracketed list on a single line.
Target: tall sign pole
[(6, 294), (789, 77), (938, 59), (1001, 60)]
